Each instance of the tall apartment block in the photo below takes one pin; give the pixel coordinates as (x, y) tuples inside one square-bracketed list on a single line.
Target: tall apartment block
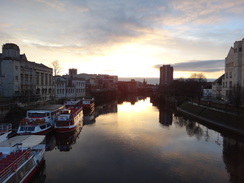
[(166, 75)]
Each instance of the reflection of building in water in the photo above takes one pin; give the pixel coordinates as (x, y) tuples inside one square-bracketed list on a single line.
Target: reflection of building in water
[(106, 108), (165, 116), (233, 151)]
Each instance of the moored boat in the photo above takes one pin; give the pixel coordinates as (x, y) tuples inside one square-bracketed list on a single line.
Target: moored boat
[(88, 103), (21, 157), (69, 118), (39, 121)]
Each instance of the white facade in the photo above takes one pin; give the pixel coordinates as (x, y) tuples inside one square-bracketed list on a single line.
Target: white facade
[(234, 69), (217, 88), (69, 86)]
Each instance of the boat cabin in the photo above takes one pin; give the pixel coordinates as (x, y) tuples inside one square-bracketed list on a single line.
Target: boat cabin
[(64, 115)]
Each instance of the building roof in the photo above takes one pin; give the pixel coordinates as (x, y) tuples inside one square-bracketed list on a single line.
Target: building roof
[(219, 80), (11, 46)]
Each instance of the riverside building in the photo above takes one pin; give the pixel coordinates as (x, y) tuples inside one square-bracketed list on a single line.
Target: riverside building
[(166, 75), (69, 86), (21, 78), (233, 79)]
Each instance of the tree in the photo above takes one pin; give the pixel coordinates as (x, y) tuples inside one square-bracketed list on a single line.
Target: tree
[(195, 83), (198, 77), (56, 67)]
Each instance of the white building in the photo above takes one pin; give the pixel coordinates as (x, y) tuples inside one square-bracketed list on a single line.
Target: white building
[(234, 70), (22, 78), (217, 88), (69, 86)]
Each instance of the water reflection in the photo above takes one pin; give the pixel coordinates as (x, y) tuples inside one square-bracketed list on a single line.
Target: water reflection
[(65, 141), (40, 174), (139, 142), (233, 151), (165, 115)]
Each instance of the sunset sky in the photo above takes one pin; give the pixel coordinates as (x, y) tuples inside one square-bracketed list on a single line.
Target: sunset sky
[(128, 38)]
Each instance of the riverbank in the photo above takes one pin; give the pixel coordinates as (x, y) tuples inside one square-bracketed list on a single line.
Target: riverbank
[(232, 121)]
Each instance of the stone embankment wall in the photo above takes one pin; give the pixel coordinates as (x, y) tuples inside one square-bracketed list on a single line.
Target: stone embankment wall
[(233, 121)]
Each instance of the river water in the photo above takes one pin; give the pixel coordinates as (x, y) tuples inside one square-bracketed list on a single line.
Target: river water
[(135, 142)]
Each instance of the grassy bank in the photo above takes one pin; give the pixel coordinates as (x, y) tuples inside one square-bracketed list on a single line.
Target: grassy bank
[(230, 120)]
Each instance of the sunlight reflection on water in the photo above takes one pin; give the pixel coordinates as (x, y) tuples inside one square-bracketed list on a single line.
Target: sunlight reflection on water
[(139, 143)]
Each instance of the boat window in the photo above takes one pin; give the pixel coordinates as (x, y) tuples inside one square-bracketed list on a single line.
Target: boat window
[(48, 124), (65, 112), (24, 128), (43, 127), (22, 172), (36, 115), (30, 128)]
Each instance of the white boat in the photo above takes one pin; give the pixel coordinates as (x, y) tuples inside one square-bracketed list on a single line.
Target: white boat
[(5, 130), (21, 157), (39, 121), (68, 119)]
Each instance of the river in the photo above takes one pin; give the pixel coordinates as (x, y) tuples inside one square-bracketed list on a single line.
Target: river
[(136, 142)]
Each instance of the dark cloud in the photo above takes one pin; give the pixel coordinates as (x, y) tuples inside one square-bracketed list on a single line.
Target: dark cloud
[(199, 66)]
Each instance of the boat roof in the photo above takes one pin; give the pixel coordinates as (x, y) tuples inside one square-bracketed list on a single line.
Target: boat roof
[(23, 140), (47, 108), (71, 102)]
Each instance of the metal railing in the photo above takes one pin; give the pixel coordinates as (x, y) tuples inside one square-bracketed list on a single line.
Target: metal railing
[(5, 127), (13, 161)]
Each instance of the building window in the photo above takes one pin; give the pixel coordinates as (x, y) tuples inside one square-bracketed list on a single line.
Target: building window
[(16, 67), (37, 78), (240, 49), (26, 78), (30, 79), (226, 75), (42, 79), (21, 78), (17, 78), (230, 84), (230, 75), (50, 79), (46, 79), (38, 91)]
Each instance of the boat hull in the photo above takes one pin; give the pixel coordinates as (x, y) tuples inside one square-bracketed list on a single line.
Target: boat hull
[(68, 128), (65, 129)]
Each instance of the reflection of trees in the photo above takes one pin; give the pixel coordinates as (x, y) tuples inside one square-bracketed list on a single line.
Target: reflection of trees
[(233, 151), (192, 128), (131, 98)]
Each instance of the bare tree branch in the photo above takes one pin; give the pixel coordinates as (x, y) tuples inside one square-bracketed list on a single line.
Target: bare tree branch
[(56, 67)]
